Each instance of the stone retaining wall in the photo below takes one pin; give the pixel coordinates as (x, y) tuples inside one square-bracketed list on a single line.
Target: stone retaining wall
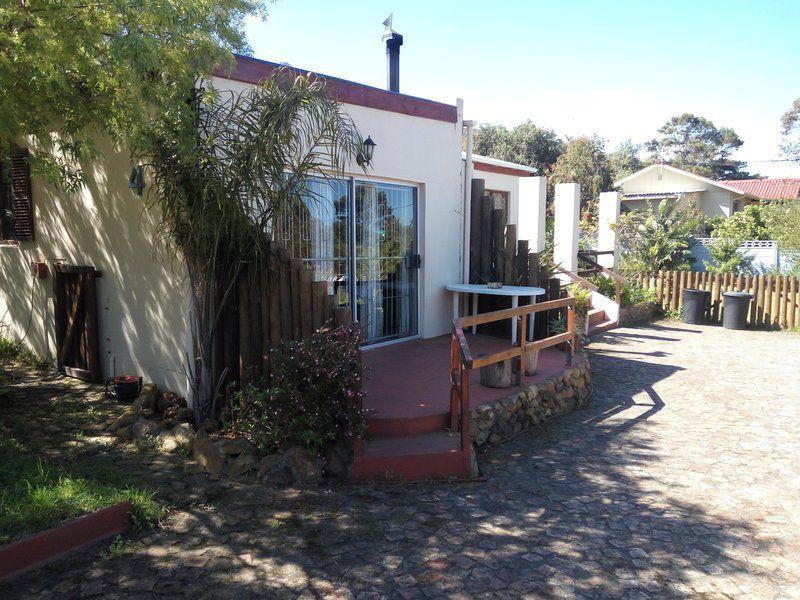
[(562, 393)]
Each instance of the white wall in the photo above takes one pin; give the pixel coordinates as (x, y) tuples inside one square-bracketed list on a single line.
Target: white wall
[(503, 183), (712, 201), (141, 294), (426, 153)]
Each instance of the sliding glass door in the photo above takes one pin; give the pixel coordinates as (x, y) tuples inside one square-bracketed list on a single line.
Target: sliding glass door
[(362, 238)]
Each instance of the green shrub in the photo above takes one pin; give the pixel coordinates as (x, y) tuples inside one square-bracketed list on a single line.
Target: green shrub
[(726, 258), (313, 398), (633, 295), (583, 299), (9, 350)]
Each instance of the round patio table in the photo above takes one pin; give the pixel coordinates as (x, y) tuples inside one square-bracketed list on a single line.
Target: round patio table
[(514, 291)]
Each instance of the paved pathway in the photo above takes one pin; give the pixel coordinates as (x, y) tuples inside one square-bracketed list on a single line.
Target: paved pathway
[(680, 481)]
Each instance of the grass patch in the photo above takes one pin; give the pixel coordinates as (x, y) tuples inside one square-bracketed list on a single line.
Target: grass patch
[(36, 494)]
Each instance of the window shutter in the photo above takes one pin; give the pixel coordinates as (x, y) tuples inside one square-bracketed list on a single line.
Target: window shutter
[(21, 200)]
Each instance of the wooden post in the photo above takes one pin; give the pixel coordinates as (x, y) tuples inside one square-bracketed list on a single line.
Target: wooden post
[(475, 244), (498, 244), (485, 259), (522, 262), (791, 322), (245, 347), (509, 258), (319, 292)]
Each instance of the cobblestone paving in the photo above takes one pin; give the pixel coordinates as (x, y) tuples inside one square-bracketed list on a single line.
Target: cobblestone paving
[(679, 481)]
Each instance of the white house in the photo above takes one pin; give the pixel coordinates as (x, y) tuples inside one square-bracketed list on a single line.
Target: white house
[(139, 293), (657, 182)]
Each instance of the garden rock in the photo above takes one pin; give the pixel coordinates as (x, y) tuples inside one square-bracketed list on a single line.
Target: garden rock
[(129, 418), (235, 447), (295, 465), (182, 436), (145, 428), (147, 397), (339, 460), (240, 465), (206, 454), (184, 415)]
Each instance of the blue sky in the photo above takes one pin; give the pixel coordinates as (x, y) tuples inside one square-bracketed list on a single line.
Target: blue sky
[(617, 69)]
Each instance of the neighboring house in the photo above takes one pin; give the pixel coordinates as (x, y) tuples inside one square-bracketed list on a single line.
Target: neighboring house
[(387, 242), (657, 182), (503, 183), (768, 189)]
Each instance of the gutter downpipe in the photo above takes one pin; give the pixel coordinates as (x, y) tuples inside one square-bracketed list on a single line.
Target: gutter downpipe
[(468, 171)]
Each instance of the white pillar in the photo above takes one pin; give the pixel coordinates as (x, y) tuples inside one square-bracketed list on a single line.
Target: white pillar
[(606, 235), (532, 201), (567, 225)]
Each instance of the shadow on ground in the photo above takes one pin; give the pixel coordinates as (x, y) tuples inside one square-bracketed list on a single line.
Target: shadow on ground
[(571, 509)]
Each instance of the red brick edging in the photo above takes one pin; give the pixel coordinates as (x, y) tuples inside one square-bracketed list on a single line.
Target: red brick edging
[(47, 546)]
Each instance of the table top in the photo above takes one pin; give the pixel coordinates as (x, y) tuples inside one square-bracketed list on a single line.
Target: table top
[(506, 290)]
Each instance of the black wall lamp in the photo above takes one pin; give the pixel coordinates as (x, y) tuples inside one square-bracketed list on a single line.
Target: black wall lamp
[(364, 158)]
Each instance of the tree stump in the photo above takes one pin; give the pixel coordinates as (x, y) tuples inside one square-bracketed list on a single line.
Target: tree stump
[(531, 363), (497, 375)]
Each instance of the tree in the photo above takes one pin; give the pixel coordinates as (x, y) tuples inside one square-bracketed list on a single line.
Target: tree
[(71, 67), (525, 144), (695, 144), (221, 171), (625, 160), (657, 239), (726, 258), (790, 129), (584, 161)]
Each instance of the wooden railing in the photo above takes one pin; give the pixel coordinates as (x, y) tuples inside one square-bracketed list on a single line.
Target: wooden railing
[(462, 361), (596, 267)]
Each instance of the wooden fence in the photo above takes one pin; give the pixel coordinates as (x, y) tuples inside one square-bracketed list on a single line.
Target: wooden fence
[(775, 304), (267, 310)]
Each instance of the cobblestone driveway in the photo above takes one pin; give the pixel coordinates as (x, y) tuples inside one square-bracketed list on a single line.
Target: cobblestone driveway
[(680, 480)]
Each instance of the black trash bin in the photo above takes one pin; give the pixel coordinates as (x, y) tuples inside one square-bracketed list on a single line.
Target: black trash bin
[(734, 309), (695, 304)]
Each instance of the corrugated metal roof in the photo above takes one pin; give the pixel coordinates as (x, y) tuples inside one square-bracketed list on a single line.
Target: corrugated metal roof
[(767, 189)]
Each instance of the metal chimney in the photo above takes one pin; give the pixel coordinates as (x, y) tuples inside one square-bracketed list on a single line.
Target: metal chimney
[(393, 42)]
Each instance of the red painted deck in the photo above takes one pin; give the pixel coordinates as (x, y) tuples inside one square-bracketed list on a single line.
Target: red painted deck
[(412, 379), (408, 395)]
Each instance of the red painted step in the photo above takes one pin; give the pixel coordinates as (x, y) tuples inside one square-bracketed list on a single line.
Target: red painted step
[(388, 427), (428, 456)]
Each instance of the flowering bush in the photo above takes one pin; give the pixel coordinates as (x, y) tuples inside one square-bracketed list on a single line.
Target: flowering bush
[(313, 398)]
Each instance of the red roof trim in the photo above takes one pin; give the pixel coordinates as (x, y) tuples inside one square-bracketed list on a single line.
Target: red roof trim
[(479, 166), (253, 70)]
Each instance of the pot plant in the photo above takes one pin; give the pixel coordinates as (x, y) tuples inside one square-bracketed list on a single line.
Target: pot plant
[(583, 301)]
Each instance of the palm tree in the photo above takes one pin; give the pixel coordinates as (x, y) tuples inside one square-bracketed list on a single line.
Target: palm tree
[(658, 238), (223, 165)]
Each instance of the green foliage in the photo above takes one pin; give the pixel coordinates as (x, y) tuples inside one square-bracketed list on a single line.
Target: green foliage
[(584, 161), (625, 160), (314, 396), (747, 224), (525, 144), (634, 295), (631, 294), (9, 350), (218, 191), (118, 548), (695, 144), (73, 67), (657, 239), (783, 223), (36, 494), (583, 299), (725, 257), (790, 130)]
